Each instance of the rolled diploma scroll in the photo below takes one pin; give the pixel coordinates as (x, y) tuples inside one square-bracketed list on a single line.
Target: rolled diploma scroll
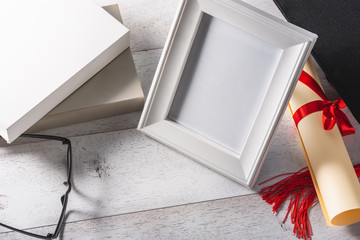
[(332, 172)]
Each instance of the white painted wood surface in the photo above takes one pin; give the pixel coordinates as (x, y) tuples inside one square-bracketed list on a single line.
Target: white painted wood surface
[(127, 186), (232, 218)]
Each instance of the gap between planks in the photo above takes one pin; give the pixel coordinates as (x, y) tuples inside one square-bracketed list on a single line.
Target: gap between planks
[(166, 208)]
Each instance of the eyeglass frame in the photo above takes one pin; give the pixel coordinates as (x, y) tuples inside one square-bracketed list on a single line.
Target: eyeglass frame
[(64, 198)]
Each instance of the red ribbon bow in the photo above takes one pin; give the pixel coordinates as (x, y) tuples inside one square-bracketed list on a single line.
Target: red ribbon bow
[(331, 111)]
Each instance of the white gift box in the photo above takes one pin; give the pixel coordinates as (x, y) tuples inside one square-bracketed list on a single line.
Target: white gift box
[(223, 82), (114, 90), (49, 48)]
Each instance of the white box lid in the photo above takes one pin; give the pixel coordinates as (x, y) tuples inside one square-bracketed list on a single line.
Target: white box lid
[(49, 48)]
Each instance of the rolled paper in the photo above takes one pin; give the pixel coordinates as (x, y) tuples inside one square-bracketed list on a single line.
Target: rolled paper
[(331, 169)]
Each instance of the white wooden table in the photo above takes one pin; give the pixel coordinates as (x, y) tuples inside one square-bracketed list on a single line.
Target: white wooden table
[(127, 186)]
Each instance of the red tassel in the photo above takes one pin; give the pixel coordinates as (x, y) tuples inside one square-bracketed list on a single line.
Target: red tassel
[(297, 186)]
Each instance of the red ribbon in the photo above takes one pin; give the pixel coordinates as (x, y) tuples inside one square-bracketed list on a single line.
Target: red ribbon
[(331, 111)]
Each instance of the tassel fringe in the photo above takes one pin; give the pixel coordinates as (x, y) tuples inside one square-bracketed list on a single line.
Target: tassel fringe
[(299, 188)]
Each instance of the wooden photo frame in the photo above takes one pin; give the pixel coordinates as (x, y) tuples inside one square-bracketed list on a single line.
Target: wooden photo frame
[(224, 79)]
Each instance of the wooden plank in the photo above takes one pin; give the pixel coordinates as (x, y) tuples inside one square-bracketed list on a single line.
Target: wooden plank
[(114, 173), (246, 217), (122, 172)]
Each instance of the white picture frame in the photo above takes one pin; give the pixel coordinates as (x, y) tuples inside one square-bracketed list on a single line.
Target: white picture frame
[(223, 82)]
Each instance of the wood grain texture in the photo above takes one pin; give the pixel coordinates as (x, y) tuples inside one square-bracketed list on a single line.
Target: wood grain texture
[(245, 217), (127, 186), (113, 173), (121, 172)]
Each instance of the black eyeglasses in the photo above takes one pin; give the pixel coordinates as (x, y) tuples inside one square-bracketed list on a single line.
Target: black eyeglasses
[(64, 198)]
